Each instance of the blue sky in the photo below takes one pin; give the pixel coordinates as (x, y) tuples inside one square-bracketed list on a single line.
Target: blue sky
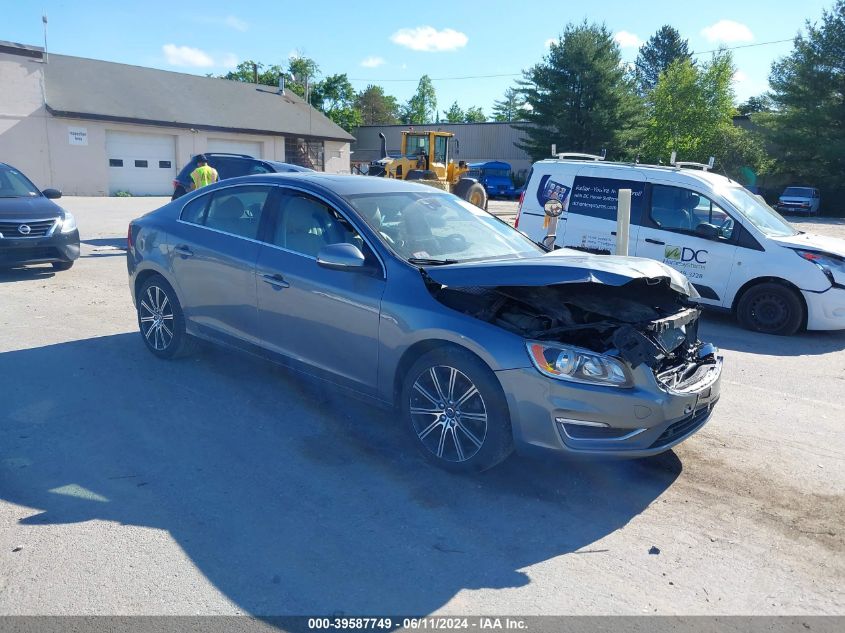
[(394, 44)]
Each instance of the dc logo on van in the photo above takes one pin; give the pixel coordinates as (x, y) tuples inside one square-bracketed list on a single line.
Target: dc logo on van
[(684, 254)]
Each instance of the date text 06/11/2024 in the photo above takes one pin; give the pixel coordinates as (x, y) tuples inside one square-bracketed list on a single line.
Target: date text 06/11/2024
[(430, 623)]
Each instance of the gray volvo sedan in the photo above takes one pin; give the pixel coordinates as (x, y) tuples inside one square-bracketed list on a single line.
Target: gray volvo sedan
[(482, 340)]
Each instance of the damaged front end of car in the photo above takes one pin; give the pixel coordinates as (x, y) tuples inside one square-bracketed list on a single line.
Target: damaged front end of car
[(580, 317)]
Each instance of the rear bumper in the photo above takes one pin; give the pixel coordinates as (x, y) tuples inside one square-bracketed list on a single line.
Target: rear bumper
[(549, 415), (59, 247), (825, 310)]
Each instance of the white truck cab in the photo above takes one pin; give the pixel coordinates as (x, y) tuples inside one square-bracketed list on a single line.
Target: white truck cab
[(738, 252)]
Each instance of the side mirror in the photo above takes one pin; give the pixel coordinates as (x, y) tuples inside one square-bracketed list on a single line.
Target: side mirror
[(707, 231), (52, 193), (341, 257)]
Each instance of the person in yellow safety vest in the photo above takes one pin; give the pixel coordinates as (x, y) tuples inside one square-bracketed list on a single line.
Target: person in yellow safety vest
[(204, 174)]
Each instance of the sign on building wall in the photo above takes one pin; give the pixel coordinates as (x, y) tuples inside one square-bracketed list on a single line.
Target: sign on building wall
[(77, 135)]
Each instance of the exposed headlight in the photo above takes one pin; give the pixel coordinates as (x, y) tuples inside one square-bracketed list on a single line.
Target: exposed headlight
[(577, 365), (828, 263), (69, 223)]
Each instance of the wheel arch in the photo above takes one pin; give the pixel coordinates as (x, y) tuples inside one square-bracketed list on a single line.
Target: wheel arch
[(143, 275), (774, 280)]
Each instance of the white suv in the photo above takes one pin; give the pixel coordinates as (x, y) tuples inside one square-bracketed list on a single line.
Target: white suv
[(804, 200), (738, 252)]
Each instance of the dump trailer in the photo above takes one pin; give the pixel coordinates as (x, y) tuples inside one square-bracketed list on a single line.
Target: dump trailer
[(426, 158)]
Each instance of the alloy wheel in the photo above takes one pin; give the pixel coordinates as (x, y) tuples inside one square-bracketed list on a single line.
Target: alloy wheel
[(155, 315), (448, 413)]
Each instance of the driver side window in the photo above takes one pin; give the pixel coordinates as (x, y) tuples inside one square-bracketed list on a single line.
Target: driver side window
[(685, 211)]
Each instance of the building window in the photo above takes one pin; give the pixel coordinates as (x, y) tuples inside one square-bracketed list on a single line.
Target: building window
[(140, 163), (164, 164), (305, 152), (115, 162)]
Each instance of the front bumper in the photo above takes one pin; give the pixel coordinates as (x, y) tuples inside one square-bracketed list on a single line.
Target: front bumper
[(825, 310), (59, 247), (638, 422)]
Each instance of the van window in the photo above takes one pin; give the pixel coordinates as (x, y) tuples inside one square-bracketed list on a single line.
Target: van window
[(681, 210)]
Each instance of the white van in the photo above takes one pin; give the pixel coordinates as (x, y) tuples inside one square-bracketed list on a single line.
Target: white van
[(738, 252)]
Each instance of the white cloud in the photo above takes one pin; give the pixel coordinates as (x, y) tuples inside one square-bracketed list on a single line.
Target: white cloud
[(727, 31), (429, 39), (625, 39), (740, 76), (189, 57), (235, 23), (373, 62), (550, 41)]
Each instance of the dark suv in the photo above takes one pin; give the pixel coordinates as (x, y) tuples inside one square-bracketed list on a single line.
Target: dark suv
[(230, 166), (33, 228)]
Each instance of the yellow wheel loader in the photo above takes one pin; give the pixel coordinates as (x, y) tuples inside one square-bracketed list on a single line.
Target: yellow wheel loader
[(425, 158)]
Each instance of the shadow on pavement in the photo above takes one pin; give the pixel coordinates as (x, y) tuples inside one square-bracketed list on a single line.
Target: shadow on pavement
[(288, 497), (26, 273), (722, 330)]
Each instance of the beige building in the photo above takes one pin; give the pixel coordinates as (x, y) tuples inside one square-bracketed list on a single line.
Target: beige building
[(94, 128)]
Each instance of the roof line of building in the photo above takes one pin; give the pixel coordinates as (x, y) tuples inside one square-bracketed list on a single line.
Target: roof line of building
[(175, 124)]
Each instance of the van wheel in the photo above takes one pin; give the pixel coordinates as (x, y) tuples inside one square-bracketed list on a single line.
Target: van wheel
[(456, 411), (771, 308)]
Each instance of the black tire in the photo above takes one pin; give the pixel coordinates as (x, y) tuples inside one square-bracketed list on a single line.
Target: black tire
[(473, 192), (171, 340), (62, 265), (421, 174), (471, 433), (771, 308)]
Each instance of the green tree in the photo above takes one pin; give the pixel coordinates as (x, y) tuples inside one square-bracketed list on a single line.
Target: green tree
[(657, 54), (336, 97), (579, 96), (303, 73), (422, 107), (753, 105), (454, 114), (247, 70), (376, 107), (808, 96), (510, 108), (474, 114), (690, 112)]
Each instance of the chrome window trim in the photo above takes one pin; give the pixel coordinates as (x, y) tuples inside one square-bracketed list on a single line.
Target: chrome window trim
[(268, 244), (49, 233)]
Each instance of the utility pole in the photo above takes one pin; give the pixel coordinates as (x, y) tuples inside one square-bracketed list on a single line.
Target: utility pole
[(44, 21)]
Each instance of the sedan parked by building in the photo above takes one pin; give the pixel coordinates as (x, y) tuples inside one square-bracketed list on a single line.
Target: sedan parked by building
[(481, 339), (33, 228), (231, 166)]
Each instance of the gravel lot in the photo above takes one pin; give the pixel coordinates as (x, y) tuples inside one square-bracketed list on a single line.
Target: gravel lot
[(220, 484)]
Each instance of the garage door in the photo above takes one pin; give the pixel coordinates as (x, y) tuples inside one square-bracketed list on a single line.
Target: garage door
[(252, 148), (142, 164)]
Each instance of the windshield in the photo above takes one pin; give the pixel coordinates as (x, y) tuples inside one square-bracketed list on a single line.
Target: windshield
[(798, 192), (498, 173), (14, 184), (760, 215), (440, 227)]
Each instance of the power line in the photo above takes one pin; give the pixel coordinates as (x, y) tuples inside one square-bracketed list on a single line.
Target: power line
[(715, 50)]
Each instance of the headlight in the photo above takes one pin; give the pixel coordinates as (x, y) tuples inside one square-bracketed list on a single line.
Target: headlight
[(577, 365), (69, 223), (828, 263)]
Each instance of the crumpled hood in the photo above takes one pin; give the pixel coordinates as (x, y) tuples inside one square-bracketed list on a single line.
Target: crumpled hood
[(813, 242), (563, 266), (34, 208)]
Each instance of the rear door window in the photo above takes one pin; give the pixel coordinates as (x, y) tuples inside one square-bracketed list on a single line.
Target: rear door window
[(233, 210)]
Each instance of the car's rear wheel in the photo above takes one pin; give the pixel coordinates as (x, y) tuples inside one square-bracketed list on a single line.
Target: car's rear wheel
[(771, 308), (455, 409), (161, 320), (62, 265)]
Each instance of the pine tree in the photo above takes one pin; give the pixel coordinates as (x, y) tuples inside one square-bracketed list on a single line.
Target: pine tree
[(657, 54), (510, 108)]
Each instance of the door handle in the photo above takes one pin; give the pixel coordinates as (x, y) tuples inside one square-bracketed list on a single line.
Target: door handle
[(184, 251), (277, 281), (658, 242)]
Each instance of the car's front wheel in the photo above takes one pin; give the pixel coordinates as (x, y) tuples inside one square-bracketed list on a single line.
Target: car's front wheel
[(771, 308), (161, 320), (456, 411)]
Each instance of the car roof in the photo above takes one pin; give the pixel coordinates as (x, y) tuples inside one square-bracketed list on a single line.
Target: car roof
[(699, 176), (339, 184)]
